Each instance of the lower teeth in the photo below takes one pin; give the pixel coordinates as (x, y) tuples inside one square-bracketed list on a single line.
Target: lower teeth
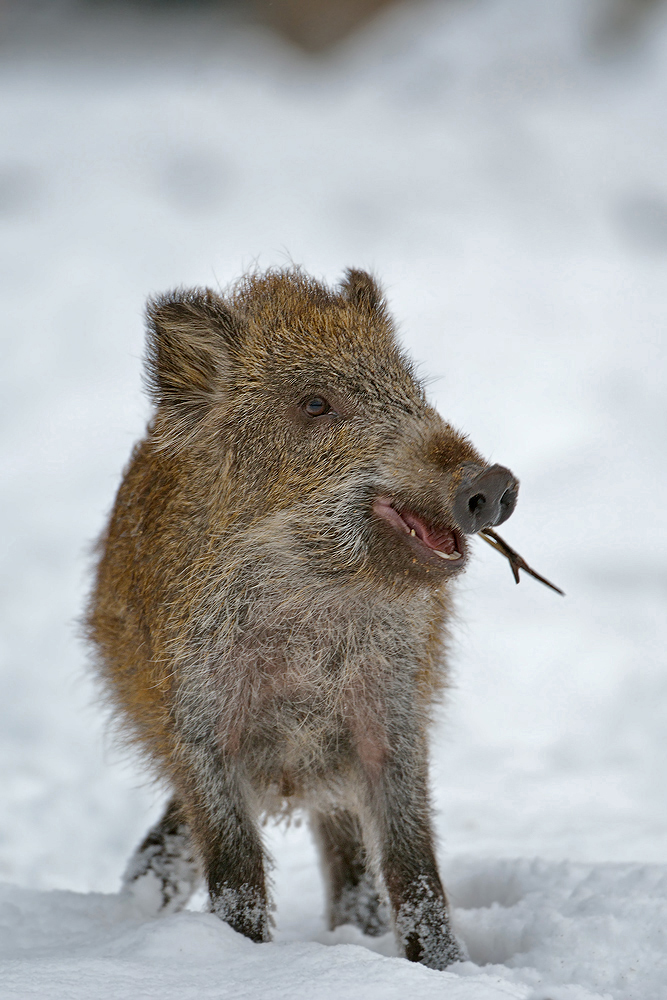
[(447, 555)]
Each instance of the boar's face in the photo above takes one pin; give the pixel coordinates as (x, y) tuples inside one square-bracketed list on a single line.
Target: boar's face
[(322, 435)]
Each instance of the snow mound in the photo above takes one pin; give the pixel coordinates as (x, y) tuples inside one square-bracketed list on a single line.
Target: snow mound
[(70, 946), (535, 930), (548, 924)]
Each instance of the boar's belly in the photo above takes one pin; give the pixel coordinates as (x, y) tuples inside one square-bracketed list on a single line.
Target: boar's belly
[(293, 747)]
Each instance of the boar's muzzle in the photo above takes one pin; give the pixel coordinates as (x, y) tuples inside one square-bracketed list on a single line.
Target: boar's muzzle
[(484, 498)]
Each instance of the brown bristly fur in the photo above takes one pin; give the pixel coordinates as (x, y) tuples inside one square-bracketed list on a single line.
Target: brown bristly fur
[(262, 636)]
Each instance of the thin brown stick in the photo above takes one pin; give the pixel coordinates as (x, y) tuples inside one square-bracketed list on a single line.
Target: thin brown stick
[(516, 561)]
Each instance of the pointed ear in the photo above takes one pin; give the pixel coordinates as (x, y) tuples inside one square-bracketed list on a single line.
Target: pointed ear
[(189, 337), (362, 290)]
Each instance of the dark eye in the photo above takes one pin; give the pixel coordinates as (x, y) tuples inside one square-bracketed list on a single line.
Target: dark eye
[(316, 407)]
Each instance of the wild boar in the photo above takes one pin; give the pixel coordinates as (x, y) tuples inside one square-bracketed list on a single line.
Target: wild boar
[(270, 610)]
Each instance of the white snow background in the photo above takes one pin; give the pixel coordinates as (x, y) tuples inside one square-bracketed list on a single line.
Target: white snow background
[(507, 181)]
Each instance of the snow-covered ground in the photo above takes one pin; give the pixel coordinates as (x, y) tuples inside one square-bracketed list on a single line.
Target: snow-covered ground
[(507, 182)]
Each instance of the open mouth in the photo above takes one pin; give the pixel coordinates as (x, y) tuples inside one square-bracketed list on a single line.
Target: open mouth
[(445, 543)]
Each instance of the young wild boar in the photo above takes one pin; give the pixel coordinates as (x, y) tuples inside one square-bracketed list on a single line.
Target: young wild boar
[(272, 598)]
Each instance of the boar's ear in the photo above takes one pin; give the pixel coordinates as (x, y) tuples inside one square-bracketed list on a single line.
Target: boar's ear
[(189, 336), (360, 288)]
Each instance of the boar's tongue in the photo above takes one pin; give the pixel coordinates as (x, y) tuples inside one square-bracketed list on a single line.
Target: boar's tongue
[(444, 541)]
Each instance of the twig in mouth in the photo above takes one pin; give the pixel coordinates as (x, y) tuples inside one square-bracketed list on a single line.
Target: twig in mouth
[(516, 561)]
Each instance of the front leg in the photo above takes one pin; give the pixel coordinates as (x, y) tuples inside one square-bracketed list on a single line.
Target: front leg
[(400, 821), (224, 828)]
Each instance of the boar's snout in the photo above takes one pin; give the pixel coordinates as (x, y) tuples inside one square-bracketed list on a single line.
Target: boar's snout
[(485, 498)]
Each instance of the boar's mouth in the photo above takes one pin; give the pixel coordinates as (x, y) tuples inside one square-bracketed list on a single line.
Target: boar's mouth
[(427, 539)]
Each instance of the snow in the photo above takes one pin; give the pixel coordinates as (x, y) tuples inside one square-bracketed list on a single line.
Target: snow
[(504, 175), (538, 929)]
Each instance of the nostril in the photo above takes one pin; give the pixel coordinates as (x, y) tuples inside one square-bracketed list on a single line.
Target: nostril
[(476, 503)]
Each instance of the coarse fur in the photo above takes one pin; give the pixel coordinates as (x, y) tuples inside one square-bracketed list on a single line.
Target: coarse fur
[(266, 636)]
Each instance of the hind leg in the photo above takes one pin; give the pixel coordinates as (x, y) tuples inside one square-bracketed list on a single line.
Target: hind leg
[(163, 872), (352, 891)]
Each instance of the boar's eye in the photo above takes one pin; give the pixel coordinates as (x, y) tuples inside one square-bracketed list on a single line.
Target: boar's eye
[(316, 407)]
